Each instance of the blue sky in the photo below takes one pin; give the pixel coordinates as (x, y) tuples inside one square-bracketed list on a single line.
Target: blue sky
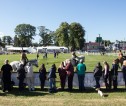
[(104, 17)]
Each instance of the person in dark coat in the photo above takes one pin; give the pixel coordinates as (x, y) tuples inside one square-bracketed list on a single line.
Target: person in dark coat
[(55, 54), (114, 74), (37, 55), (62, 74), (42, 75), (52, 77), (21, 76), (124, 71), (6, 70), (70, 73), (98, 74)]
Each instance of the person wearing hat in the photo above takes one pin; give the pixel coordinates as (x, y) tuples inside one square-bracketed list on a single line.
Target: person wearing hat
[(6, 70), (81, 68)]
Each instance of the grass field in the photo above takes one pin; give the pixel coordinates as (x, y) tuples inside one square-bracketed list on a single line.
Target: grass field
[(74, 98), (90, 60), (62, 98)]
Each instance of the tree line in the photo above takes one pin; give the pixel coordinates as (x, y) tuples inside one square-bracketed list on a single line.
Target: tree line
[(68, 35)]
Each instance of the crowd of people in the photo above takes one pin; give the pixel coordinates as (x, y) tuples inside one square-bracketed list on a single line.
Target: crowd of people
[(66, 71)]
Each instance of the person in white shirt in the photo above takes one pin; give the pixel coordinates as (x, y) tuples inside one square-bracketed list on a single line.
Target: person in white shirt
[(30, 76)]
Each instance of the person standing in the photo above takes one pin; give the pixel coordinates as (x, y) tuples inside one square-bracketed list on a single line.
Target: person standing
[(21, 76), (62, 74), (81, 68), (55, 54), (98, 74), (75, 58), (124, 71), (6, 70), (114, 74), (120, 57), (30, 76), (42, 75), (37, 55), (70, 73), (52, 77), (106, 74), (24, 58)]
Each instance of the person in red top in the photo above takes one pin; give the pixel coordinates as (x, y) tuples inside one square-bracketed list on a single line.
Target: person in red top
[(70, 73), (62, 74)]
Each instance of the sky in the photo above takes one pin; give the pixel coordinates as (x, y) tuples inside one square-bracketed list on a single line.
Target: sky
[(104, 17)]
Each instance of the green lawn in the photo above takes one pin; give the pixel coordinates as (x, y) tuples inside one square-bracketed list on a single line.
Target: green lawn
[(90, 60), (64, 98)]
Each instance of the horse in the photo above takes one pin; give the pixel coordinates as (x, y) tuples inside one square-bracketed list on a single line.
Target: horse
[(16, 64), (77, 60), (74, 61)]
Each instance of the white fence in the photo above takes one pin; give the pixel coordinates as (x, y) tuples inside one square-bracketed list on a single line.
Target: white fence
[(89, 80)]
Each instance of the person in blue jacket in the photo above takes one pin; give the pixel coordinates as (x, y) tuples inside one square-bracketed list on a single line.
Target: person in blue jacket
[(52, 77)]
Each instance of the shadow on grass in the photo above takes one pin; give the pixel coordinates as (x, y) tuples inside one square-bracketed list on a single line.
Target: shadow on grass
[(92, 90), (44, 92), (26, 92)]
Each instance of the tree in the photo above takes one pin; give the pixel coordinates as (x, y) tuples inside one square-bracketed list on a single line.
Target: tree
[(35, 44), (7, 40), (16, 41), (1, 44), (62, 34), (46, 36), (76, 37), (71, 35), (106, 42), (25, 33)]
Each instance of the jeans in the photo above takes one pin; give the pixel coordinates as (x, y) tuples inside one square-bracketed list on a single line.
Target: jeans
[(81, 82), (30, 82), (106, 82), (97, 81), (52, 83)]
